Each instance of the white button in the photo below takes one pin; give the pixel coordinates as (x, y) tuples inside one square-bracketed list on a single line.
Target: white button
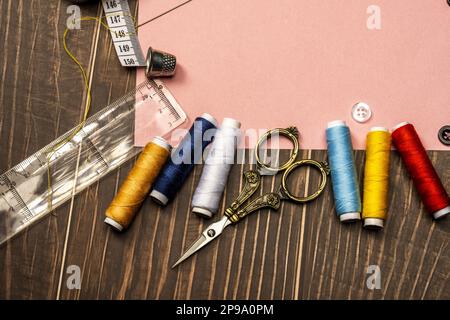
[(361, 112)]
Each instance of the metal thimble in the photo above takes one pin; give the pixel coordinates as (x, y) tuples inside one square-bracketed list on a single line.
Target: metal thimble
[(160, 64)]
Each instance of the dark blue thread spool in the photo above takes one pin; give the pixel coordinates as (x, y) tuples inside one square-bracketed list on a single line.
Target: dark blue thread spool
[(189, 152)]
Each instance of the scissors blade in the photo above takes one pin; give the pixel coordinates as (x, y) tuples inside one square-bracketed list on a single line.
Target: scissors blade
[(208, 235)]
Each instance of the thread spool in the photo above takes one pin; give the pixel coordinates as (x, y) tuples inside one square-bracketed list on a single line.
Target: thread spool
[(181, 163), (376, 178), (343, 172), (213, 180), (136, 186), (418, 164)]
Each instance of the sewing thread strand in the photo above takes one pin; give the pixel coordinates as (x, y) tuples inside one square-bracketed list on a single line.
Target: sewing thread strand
[(87, 107)]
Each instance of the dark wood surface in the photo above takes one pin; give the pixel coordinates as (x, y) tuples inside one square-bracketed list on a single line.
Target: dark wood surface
[(299, 252)]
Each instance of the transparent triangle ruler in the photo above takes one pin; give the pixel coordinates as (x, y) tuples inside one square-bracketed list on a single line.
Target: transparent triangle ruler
[(105, 142), (123, 33)]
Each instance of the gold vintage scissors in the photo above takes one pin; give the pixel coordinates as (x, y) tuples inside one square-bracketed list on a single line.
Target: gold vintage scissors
[(239, 209)]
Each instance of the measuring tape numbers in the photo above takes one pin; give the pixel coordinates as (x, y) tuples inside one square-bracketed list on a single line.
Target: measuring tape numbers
[(123, 33)]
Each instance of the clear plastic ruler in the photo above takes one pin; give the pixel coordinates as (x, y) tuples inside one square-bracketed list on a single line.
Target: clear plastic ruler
[(123, 33), (104, 143)]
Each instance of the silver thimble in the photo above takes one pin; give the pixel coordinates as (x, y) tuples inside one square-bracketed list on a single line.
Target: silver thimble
[(160, 64)]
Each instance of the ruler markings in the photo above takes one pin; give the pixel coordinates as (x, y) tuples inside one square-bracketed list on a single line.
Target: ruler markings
[(99, 153)]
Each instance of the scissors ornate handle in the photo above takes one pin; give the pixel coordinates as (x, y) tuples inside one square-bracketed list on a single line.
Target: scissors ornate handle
[(292, 134), (241, 207), (252, 183), (238, 210)]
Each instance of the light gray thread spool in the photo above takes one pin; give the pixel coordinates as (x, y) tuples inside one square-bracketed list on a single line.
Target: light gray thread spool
[(213, 180)]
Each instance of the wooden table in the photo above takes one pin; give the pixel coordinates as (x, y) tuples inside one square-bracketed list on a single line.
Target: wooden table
[(300, 252)]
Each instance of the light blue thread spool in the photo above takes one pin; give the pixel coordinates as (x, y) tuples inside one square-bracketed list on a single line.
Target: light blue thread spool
[(343, 172)]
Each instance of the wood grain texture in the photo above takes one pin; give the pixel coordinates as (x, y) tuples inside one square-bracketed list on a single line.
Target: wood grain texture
[(412, 251), (299, 252), (40, 100)]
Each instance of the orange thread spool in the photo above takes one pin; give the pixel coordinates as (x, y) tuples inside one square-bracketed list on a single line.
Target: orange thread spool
[(136, 186)]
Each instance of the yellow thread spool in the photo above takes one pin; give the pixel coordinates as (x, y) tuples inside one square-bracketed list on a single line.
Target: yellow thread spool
[(137, 185), (376, 178)]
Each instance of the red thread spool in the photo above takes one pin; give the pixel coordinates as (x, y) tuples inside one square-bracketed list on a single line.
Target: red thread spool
[(421, 170)]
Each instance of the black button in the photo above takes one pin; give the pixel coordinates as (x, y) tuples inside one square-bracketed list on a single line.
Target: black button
[(444, 134)]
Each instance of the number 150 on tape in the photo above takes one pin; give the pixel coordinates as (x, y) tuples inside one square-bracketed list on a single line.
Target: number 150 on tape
[(123, 33)]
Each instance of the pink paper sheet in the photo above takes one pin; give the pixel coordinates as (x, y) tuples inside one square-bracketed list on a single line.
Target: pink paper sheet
[(275, 63)]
